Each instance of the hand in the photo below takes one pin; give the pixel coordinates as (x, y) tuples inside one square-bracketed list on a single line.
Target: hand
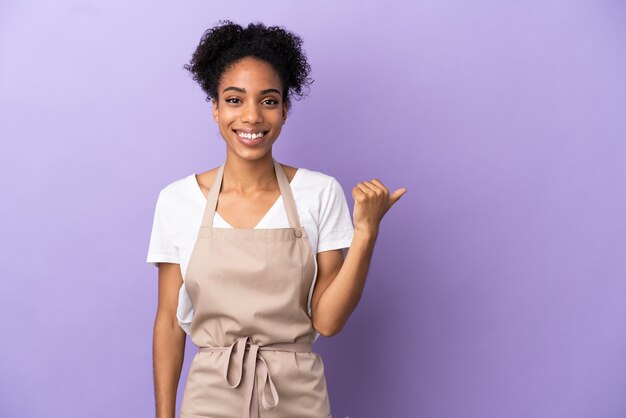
[(371, 201)]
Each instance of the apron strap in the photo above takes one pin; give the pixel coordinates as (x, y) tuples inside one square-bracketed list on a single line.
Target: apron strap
[(288, 200), (285, 191), (211, 201)]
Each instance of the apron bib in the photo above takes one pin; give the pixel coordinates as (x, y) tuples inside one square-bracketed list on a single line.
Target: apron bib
[(249, 289)]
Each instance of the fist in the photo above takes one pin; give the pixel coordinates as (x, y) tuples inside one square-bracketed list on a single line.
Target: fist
[(372, 200)]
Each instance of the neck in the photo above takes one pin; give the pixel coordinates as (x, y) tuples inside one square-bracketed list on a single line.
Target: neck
[(248, 177)]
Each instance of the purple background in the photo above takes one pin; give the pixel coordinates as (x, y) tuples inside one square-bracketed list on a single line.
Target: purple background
[(498, 283)]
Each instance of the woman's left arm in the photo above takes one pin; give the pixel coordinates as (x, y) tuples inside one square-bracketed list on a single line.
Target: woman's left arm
[(340, 282)]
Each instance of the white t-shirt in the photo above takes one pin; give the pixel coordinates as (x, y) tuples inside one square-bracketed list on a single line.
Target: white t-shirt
[(320, 201)]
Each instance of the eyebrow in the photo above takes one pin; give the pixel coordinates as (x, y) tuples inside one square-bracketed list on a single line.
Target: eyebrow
[(244, 90)]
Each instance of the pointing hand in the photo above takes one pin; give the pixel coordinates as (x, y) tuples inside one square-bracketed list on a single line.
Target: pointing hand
[(371, 201)]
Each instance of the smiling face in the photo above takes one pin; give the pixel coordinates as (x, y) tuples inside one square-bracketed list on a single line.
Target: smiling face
[(250, 111)]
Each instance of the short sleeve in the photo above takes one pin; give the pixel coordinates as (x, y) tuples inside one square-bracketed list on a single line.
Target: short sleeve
[(161, 247), (335, 226)]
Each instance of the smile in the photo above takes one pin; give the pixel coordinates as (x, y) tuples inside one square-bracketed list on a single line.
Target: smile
[(254, 135), (251, 138)]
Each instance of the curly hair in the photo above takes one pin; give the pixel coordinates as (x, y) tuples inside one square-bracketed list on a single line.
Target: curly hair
[(223, 45)]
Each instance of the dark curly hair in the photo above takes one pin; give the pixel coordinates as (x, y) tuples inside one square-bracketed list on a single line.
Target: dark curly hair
[(224, 44)]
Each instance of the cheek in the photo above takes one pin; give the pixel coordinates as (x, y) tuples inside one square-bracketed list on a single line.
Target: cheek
[(276, 116), (225, 117)]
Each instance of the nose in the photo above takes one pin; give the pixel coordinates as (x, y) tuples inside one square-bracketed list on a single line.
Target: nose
[(251, 113)]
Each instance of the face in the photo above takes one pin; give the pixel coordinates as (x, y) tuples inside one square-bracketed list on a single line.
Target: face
[(250, 102)]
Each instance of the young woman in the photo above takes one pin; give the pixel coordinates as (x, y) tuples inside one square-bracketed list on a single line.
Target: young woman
[(250, 253)]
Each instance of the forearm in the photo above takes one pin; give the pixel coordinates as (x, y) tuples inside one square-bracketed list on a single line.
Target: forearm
[(342, 296), (168, 354)]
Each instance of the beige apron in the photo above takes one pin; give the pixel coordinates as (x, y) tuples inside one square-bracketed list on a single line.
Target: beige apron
[(249, 289)]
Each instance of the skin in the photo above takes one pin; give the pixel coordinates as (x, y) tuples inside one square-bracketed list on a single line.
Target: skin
[(249, 189)]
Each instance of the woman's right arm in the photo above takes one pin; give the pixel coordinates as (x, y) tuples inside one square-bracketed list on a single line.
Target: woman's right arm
[(168, 348)]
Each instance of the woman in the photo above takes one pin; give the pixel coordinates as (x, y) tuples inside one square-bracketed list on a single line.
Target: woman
[(250, 253)]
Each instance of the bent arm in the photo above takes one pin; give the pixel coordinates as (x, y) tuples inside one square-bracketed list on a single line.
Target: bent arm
[(168, 348), (340, 283)]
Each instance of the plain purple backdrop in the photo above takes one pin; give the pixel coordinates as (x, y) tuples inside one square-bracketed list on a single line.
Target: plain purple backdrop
[(498, 283)]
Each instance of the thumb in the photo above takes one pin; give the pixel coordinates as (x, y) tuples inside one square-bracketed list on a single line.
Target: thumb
[(397, 195)]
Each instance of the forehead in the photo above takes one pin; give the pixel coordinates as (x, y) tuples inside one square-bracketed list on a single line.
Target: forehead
[(251, 74)]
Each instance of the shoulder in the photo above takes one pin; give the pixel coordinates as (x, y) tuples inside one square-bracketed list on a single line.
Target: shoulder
[(178, 190), (315, 180), (319, 192)]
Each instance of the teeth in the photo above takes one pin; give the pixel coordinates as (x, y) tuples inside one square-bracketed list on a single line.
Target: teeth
[(250, 136)]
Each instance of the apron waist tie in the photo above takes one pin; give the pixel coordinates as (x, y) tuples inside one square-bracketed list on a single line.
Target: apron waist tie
[(250, 407)]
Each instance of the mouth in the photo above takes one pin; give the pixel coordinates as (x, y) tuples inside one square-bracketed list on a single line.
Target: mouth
[(250, 134), (250, 138)]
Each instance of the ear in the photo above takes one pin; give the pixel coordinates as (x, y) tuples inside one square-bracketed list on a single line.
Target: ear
[(285, 109), (215, 110)]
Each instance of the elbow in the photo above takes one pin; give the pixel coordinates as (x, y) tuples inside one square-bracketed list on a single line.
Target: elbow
[(328, 330)]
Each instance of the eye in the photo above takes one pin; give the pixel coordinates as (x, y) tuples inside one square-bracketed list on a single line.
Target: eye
[(275, 102), (232, 98)]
